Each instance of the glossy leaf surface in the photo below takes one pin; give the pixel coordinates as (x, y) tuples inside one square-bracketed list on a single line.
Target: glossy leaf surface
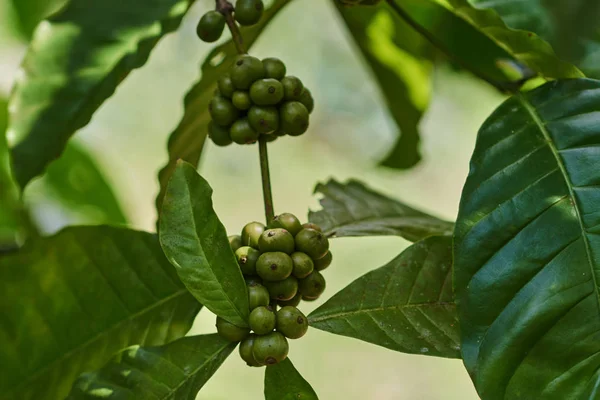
[(284, 382)]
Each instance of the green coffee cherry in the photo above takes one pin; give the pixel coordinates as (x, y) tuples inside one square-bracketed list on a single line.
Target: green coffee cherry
[(313, 243), (219, 134), (242, 133), (283, 290), (241, 100), (231, 332), (323, 262), (235, 241), (307, 99), (258, 295), (251, 233), (276, 240), (274, 68), (263, 119), (225, 86), (303, 265), (271, 348), (211, 25), (269, 137), (262, 320), (248, 12), (266, 92), (253, 280), (246, 352), (294, 301), (245, 71), (292, 87), (222, 111), (304, 298), (312, 286), (275, 266), (310, 225), (247, 257), (291, 322), (293, 118), (286, 221)]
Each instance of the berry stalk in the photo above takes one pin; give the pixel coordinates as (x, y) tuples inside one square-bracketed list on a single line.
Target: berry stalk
[(226, 8), (266, 179)]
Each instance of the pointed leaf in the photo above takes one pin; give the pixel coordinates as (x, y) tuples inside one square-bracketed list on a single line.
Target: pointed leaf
[(352, 209), (195, 242), (284, 382), (406, 305), (76, 60), (10, 207), (187, 140), (68, 302), (30, 12), (177, 370), (527, 247)]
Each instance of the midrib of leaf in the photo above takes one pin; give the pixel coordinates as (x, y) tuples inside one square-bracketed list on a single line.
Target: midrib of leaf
[(382, 308), (548, 138)]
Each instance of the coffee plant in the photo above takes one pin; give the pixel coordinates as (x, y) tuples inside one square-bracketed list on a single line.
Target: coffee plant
[(510, 288)]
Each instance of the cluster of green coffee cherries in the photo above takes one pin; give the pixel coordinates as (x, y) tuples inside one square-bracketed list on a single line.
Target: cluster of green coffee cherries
[(212, 24), (255, 99), (282, 265)]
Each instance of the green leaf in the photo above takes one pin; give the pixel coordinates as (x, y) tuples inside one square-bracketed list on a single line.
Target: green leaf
[(397, 56), (77, 181), (284, 382), (31, 12), (76, 60), (406, 305), (527, 247), (187, 140), (195, 242), (352, 209), (10, 208), (68, 302), (177, 370)]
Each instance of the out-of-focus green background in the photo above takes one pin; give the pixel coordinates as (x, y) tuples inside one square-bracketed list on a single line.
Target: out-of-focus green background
[(350, 131)]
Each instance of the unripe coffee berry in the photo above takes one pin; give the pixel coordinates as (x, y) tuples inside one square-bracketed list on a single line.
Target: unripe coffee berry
[(286, 221), (303, 265), (283, 290), (262, 320), (293, 118), (291, 322), (245, 71), (235, 242), (219, 134), (266, 92), (225, 86), (310, 225), (251, 233), (241, 100), (276, 240), (270, 349), (247, 257), (246, 351), (307, 99), (312, 286), (292, 87), (231, 332), (323, 262), (211, 26), (275, 266), (242, 133), (222, 111), (248, 12), (258, 295), (274, 68), (263, 119), (313, 243), (294, 301), (252, 280)]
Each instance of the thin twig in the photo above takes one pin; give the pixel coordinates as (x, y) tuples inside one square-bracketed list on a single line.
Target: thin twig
[(226, 8), (266, 179)]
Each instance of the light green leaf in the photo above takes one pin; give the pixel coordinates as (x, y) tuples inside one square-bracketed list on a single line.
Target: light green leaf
[(31, 12), (195, 242), (177, 370), (527, 247), (76, 60), (10, 208), (68, 302), (187, 140), (284, 382), (406, 305), (352, 209)]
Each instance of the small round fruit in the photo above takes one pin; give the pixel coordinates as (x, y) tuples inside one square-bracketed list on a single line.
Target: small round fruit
[(310, 225), (219, 134), (286, 221), (245, 71), (271, 348), (241, 100), (303, 265), (276, 240), (294, 301), (262, 320), (269, 137), (312, 286), (251, 233), (313, 243), (304, 298), (211, 26), (231, 332), (222, 111), (266, 92), (307, 99), (263, 119), (252, 280), (291, 322), (323, 262), (292, 87), (293, 118), (275, 266), (258, 295), (242, 133), (246, 352), (274, 68), (235, 241), (225, 86), (248, 12), (246, 257), (283, 290)]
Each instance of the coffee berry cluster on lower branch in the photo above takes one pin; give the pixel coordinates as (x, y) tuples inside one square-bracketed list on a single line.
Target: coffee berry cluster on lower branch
[(212, 24), (282, 265)]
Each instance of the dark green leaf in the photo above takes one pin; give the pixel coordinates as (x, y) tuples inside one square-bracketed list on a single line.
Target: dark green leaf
[(284, 382), (187, 140), (397, 56), (76, 60), (352, 209), (68, 302), (527, 247), (10, 208), (177, 370), (406, 305), (31, 12), (195, 242)]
